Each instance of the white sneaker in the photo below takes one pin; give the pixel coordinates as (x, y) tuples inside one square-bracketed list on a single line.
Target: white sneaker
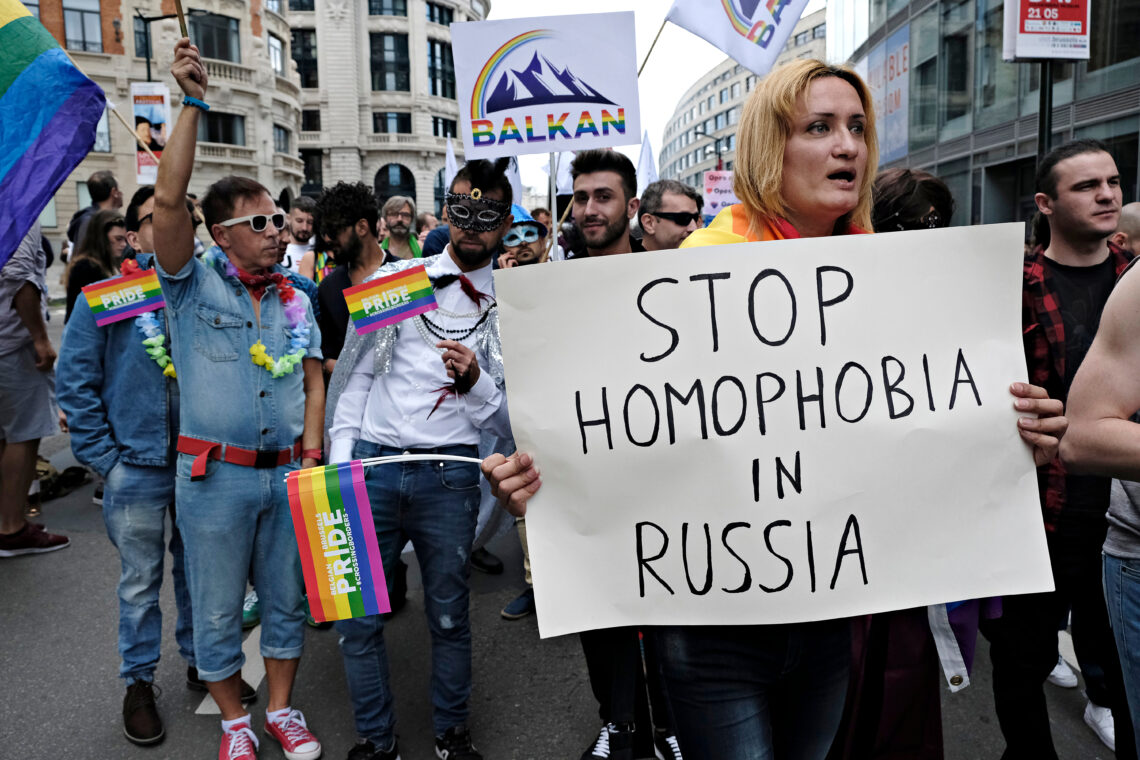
[(1099, 719), (1063, 675)]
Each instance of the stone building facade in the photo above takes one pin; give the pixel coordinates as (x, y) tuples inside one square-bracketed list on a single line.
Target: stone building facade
[(378, 92), (254, 90)]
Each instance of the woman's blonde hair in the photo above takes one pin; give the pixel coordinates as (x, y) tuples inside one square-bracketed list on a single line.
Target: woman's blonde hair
[(765, 127)]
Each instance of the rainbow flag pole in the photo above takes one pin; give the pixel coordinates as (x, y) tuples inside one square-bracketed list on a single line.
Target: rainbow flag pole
[(332, 519), (48, 114)]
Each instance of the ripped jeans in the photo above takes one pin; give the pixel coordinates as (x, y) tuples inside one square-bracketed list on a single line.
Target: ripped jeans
[(435, 504)]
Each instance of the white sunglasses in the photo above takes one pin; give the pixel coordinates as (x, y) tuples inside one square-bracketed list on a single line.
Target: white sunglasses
[(257, 221)]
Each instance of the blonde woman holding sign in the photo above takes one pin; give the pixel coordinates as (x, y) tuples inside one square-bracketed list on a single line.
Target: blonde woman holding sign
[(805, 165)]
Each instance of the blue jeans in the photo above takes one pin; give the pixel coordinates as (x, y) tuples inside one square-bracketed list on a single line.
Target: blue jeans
[(756, 692), (238, 517), (135, 503), (435, 504), (1122, 594)]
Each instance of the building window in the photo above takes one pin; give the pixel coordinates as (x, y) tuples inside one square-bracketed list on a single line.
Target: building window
[(956, 88), (82, 27), (802, 38), (819, 32), (395, 179), (1113, 62), (216, 36), (440, 191), (391, 122), (749, 83), (440, 14), (995, 98), (280, 139), (142, 39), (721, 121), (724, 96), (103, 134), (314, 171), (734, 115), (387, 7), (305, 54), (273, 5), (225, 128), (301, 5), (441, 69), (441, 127), (390, 65), (735, 90), (277, 54), (310, 120), (923, 130)]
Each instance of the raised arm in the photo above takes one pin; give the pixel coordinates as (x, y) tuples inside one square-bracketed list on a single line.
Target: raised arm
[(1102, 439), (173, 228)]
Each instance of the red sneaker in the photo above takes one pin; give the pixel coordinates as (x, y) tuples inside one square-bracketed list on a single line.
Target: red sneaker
[(239, 743), (296, 739), (31, 539)]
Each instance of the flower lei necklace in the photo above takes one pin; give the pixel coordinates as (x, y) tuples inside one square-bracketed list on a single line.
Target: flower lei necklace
[(147, 324), (298, 330)]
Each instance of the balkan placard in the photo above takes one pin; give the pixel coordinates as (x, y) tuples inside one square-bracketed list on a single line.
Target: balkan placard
[(718, 194), (1043, 29), (774, 432), (150, 105), (540, 85)]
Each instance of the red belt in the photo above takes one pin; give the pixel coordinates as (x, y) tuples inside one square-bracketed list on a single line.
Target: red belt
[(258, 458)]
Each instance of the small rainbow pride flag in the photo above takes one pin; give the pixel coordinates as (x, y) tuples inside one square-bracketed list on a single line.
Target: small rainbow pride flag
[(337, 540), (123, 297), (390, 299), (48, 114)]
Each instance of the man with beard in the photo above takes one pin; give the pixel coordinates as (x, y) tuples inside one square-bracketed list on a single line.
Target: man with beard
[(605, 190), (300, 238), (399, 211), (347, 214), (526, 241), (428, 385)]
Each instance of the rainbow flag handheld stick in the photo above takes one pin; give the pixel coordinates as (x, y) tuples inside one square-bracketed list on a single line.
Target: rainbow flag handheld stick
[(340, 558)]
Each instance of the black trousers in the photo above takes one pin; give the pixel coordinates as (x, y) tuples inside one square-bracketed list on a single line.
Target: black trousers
[(618, 680), (1023, 647)]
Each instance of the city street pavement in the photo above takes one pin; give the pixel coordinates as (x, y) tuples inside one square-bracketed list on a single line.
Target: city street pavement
[(61, 696)]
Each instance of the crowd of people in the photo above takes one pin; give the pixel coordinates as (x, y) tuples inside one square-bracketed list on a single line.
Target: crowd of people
[(252, 369)]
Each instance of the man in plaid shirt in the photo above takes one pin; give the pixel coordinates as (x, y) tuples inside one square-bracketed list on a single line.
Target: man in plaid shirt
[(1065, 288)]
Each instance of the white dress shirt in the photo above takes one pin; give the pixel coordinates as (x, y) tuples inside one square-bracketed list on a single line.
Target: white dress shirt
[(392, 409)]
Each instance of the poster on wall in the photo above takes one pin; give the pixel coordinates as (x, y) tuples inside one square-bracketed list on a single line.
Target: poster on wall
[(718, 194), (886, 69), (1045, 29), (150, 106), (541, 85)]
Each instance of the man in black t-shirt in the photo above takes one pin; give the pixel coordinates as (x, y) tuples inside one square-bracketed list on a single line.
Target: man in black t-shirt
[(1065, 289), (346, 216)]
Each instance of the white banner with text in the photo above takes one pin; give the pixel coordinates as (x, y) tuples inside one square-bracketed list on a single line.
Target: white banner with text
[(774, 432)]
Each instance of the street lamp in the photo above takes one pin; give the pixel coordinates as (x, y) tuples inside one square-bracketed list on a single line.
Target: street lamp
[(700, 132), (146, 29)]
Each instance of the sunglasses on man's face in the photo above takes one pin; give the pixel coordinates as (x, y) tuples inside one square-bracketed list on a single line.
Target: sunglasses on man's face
[(680, 218), (520, 235), (258, 222)]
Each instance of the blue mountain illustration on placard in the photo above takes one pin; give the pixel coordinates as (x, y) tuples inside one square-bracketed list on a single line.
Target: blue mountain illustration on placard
[(541, 82)]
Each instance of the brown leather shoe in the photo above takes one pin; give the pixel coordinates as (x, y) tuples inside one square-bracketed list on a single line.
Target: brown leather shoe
[(141, 723)]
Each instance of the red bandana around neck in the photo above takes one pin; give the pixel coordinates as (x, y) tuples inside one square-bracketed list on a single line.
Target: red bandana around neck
[(256, 283)]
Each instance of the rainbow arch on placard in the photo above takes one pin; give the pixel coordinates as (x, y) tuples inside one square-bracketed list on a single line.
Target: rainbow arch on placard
[(743, 26), (488, 70)]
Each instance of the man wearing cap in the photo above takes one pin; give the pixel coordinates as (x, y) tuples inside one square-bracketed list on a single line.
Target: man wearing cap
[(525, 243)]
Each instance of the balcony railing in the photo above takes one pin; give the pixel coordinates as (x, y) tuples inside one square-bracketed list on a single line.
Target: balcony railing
[(228, 72), (222, 153)]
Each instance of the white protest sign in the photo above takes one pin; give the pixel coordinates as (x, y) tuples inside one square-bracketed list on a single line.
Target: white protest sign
[(150, 106), (718, 194), (540, 85), (1043, 29), (774, 432)]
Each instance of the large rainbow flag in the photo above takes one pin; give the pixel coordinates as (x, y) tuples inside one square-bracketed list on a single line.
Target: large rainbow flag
[(48, 114), (340, 558)]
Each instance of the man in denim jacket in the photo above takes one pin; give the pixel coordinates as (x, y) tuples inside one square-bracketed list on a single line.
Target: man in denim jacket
[(122, 410), (247, 351)]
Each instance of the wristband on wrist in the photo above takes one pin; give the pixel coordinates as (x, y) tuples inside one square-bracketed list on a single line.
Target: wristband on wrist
[(312, 454), (189, 101)]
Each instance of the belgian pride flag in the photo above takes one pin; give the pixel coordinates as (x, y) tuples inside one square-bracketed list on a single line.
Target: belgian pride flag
[(48, 114)]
